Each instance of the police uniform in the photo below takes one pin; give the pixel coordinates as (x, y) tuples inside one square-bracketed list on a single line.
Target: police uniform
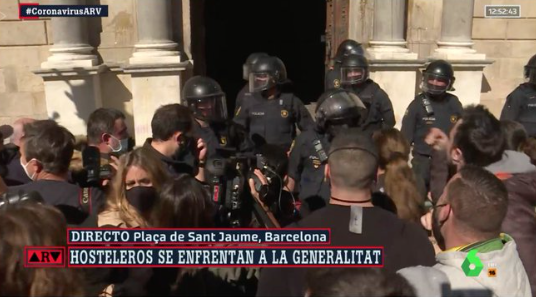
[(241, 97), (273, 121), (379, 106), (306, 168), (520, 106), (417, 123), (227, 136), (333, 77)]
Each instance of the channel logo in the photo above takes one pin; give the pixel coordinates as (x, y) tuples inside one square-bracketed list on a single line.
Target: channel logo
[(44, 256), (472, 266)]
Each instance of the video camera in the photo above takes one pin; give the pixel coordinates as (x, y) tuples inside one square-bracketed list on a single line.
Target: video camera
[(229, 183), (93, 172)]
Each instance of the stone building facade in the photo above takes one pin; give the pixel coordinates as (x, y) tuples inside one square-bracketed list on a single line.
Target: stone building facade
[(137, 58)]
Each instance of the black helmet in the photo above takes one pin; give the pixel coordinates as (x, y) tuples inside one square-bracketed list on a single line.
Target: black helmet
[(338, 108), (267, 73), (530, 70), (252, 59), (438, 77), (204, 97), (354, 70), (348, 47)]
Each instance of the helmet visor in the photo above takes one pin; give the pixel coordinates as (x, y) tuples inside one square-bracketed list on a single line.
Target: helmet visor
[(352, 75), (212, 108), (435, 84), (260, 82)]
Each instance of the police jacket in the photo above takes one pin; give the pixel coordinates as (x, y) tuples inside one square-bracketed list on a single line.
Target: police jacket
[(379, 106), (273, 121), (417, 122), (307, 169), (223, 136), (520, 106), (241, 97)]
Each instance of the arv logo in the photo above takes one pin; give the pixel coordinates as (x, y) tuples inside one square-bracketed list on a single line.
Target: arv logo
[(472, 266)]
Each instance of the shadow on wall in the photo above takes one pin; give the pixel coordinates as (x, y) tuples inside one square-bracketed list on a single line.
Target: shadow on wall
[(486, 87), (116, 95)]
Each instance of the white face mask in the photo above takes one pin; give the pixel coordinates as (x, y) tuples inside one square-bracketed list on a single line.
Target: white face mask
[(24, 166), (116, 149)]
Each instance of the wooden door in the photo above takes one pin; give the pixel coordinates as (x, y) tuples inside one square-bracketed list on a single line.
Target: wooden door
[(337, 23)]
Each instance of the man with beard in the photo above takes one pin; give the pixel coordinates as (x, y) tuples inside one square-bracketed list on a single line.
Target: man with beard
[(467, 226), (336, 111), (433, 108)]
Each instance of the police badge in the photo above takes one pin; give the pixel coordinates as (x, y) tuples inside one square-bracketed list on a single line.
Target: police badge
[(336, 83), (223, 141), (284, 113), (453, 119)]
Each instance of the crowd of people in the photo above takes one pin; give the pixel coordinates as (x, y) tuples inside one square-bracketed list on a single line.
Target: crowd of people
[(453, 179)]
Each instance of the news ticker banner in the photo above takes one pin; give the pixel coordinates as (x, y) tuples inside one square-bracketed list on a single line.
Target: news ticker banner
[(149, 247), (213, 256), (158, 236), (35, 11)]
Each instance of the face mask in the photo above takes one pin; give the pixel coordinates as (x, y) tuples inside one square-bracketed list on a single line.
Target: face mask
[(124, 145), (26, 169), (117, 149), (436, 230), (142, 198)]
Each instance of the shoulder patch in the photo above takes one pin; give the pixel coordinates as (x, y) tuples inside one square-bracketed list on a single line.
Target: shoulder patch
[(336, 83)]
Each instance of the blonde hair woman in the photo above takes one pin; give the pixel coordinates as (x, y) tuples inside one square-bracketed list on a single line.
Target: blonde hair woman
[(135, 188)]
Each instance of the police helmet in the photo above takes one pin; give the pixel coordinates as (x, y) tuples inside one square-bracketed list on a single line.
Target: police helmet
[(438, 78), (530, 70), (348, 47), (252, 59), (338, 108), (267, 73), (354, 70), (205, 98)]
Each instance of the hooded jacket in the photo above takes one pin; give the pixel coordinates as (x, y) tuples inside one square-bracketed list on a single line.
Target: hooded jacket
[(510, 280), (519, 176)]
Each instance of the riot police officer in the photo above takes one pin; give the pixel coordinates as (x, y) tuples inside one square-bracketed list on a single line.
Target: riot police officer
[(355, 78), (433, 108), (246, 70), (336, 110), (207, 102), (520, 105), (271, 115), (347, 47)]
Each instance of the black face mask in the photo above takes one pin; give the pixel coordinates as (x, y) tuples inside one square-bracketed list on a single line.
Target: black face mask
[(436, 230), (142, 198)]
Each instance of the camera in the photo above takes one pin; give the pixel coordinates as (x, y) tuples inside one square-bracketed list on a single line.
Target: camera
[(93, 173), (228, 186)]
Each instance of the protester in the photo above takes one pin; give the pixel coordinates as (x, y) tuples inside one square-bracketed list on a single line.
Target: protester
[(135, 189), (468, 217), (362, 282), (107, 130), (395, 177), (351, 169), (478, 139), (518, 140), (173, 142), (31, 224), (185, 203)]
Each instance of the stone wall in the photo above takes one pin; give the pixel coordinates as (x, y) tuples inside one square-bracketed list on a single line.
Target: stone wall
[(23, 46), (510, 42)]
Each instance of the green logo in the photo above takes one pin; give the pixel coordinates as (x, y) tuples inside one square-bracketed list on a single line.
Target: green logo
[(472, 266)]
